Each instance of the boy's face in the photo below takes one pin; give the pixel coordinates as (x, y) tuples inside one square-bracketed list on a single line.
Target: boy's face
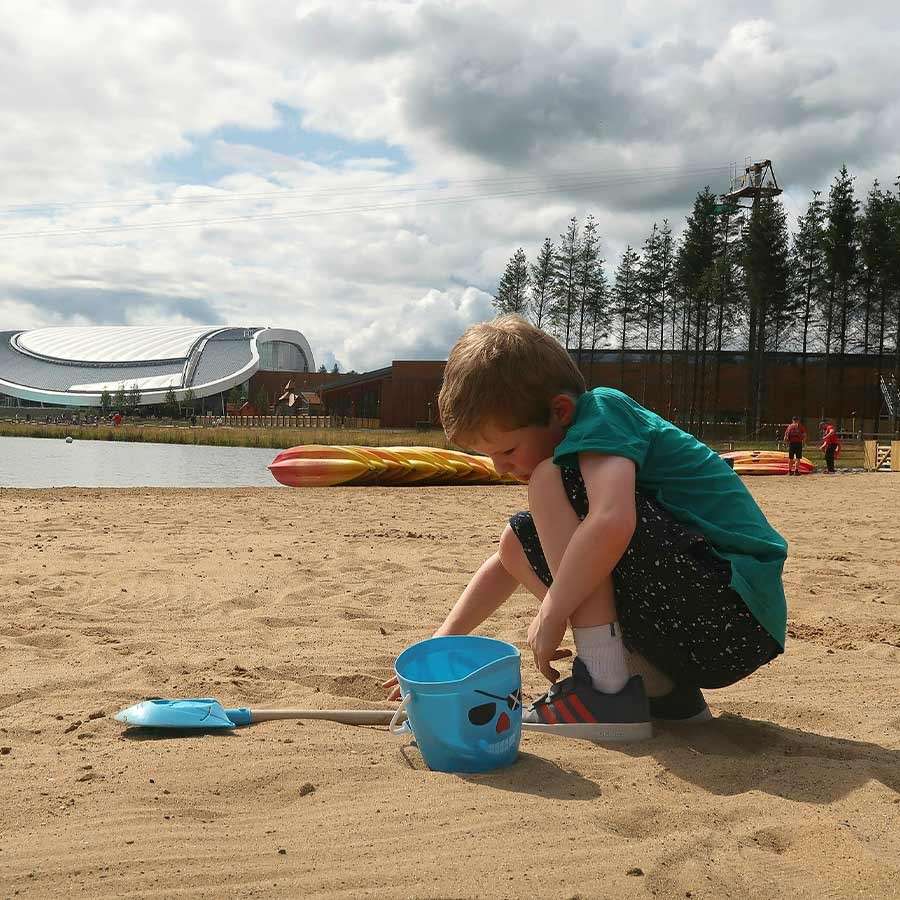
[(518, 451)]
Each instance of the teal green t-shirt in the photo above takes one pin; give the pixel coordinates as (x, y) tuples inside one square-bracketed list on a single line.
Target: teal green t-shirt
[(696, 486)]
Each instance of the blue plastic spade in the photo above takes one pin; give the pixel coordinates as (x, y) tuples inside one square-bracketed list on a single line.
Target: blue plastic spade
[(202, 713)]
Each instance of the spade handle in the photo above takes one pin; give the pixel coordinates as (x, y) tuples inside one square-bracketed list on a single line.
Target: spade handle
[(346, 716)]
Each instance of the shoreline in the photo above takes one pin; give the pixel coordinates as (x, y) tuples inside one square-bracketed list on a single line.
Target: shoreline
[(273, 438)]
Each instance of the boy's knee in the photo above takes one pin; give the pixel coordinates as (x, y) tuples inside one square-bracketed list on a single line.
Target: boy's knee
[(545, 480), (510, 551)]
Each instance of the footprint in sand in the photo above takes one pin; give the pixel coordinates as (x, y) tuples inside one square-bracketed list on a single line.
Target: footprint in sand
[(242, 603), (351, 613), (774, 840), (44, 641), (358, 686)]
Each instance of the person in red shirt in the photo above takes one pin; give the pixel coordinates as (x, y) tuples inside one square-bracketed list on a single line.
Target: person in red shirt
[(795, 438), (831, 444)]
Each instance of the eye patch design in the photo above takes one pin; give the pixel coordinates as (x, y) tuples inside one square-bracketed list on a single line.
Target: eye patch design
[(482, 714)]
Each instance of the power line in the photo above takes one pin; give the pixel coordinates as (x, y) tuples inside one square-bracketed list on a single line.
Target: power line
[(306, 213), (386, 188)]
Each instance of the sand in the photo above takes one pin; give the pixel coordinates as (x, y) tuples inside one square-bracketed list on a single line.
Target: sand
[(303, 598)]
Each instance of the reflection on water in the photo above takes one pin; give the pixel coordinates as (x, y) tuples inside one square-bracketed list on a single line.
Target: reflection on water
[(51, 462)]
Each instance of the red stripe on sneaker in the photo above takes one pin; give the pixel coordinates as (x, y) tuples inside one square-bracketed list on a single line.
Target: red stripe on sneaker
[(545, 711), (581, 710), (564, 710)]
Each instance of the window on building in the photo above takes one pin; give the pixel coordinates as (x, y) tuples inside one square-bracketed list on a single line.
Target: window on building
[(280, 356)]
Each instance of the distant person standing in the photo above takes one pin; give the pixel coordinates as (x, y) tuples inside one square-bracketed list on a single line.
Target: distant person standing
[(795, 438), (831, 444)]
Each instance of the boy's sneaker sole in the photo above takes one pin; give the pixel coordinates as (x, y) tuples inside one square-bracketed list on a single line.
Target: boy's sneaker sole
[(573, 708), (599, 733), (681, 706)]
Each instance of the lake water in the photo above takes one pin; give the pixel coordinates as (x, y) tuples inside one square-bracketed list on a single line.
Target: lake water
[(51, 462)]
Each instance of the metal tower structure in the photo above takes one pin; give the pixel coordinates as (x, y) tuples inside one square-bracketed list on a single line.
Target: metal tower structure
[(758, 180)]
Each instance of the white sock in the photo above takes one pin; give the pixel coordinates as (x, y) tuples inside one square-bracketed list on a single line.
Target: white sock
[(601, 649)]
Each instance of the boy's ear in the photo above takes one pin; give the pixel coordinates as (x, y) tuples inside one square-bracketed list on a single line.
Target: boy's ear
[(562, 409)]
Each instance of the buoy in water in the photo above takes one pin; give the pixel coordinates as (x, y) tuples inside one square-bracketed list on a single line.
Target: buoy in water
[(69, 439)]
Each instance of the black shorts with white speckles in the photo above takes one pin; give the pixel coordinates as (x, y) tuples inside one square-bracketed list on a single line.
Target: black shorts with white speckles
[(673, 599)]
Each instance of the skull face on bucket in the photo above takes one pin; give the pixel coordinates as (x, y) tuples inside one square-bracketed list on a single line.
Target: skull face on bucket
[(463, 699), (496, 715)]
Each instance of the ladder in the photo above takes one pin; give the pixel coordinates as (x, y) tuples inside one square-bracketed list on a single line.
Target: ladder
[(879, 457), (891, 395)]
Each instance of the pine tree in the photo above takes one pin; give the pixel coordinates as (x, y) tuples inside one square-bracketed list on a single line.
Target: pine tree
[(766, 267), (808, 279), (512, 292), (597, 316), (565, 282), (876, 250), (541, 284), (589, 278), (625, 302), (697, 254), (726, 300), (105, 400), (651, 285), (666, 296), (894, 274), (841, 257)]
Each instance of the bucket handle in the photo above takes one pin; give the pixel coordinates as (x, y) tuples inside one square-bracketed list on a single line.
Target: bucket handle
[(403, 728)]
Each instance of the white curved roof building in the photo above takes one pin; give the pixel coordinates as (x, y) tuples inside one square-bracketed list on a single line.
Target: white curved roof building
[(72, 366)]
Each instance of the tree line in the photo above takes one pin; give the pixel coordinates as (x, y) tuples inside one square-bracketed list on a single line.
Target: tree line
[(735, 279)]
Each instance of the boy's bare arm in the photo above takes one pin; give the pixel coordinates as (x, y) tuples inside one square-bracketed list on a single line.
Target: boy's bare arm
[(602, 537), (487, 590)]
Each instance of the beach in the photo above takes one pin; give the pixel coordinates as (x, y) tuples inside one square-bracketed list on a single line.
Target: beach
[(279, 597)]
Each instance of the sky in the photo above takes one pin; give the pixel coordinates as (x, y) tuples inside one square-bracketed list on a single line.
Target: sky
[(362, 171)]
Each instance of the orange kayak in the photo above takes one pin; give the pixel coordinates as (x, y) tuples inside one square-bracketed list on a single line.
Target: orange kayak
[(764, 462)]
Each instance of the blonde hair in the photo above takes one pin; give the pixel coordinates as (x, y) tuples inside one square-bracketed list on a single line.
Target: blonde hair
[(504, 373)]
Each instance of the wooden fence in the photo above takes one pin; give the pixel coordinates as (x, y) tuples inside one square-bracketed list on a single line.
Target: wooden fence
[(291, 421)]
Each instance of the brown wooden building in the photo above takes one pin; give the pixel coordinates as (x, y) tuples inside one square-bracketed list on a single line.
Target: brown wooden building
[(402, 395), (405, 393), (846, 391)]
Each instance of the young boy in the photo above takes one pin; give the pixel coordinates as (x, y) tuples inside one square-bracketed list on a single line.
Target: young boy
[(638, 536)]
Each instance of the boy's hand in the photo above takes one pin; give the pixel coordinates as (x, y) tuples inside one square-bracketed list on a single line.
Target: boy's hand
[(544, 637), (392, 686)]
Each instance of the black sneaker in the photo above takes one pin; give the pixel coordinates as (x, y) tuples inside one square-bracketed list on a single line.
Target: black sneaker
[(574, 708), (683, 705)]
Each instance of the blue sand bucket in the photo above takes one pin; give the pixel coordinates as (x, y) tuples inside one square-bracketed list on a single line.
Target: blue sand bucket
[(463, 698)]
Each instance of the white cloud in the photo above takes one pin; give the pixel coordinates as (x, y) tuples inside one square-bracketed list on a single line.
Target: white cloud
[(423, 329), (637, 98)]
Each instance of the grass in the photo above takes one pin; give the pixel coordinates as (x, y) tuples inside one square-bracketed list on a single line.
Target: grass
[(227, 436)]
